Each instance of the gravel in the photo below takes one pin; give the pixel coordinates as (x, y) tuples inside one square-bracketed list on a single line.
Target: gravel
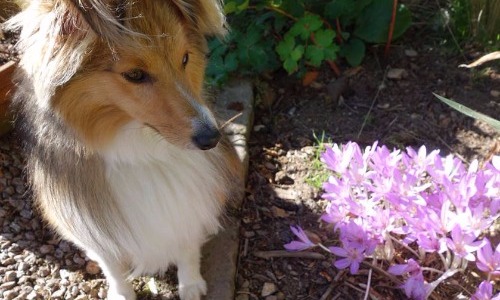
[(34, 262)]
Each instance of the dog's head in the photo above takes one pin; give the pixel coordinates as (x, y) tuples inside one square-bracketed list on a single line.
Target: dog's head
[(101, 64)]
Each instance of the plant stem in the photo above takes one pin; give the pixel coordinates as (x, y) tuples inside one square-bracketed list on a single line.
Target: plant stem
[(444, 276), (282, 12), (431, 270), (367, 292), (391, 27)]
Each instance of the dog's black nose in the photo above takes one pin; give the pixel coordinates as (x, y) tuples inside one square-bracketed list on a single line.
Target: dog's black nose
[(206, 137)]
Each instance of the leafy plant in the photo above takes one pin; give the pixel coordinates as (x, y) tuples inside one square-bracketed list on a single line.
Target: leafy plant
[(470, 112), (411, 207), (318, 173), (297, 35)]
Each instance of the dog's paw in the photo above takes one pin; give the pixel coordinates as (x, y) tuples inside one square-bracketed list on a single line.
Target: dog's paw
[(122, 293), (193, 291)]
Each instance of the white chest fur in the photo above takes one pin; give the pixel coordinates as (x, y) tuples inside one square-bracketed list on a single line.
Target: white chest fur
[(165, 194)]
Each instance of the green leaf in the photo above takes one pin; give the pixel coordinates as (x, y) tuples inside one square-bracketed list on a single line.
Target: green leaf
[(231, 62), (330, 52), (324, 37), (306, 25), (354, 51), (285, 47), (372, 25), (297, 53), (336, 8), (470, 112), (290, 65), (314, 55)]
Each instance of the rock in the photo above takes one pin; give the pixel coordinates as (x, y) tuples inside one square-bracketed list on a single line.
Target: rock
[(268, 289), (279, 212), (92, 268), (242, 297), (32, 295), (8, 285), (397, 74), (46, 249), (9, 295), (9, 276), (271, 297), (495, 93), (59, 293), (43, 271), (411, 53)]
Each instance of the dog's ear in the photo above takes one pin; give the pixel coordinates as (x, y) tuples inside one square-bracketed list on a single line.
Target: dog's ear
[(104, 17), (205, 15)]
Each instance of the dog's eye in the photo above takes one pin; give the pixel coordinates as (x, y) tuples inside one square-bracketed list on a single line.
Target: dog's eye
[(136, 76), (185, 60)]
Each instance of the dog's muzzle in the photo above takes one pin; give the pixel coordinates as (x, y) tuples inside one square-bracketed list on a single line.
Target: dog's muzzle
[(206, 137)]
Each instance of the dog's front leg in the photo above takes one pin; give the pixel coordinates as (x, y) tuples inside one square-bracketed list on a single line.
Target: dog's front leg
[(191, 285), (119, 288)]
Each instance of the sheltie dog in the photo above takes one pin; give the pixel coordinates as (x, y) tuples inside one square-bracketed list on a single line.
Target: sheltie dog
[(123, 155)]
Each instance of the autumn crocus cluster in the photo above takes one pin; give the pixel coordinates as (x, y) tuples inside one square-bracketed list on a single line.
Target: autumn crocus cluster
[(383, 201)]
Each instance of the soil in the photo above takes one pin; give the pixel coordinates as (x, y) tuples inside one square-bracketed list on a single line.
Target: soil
[(290, 119), (284, 175)]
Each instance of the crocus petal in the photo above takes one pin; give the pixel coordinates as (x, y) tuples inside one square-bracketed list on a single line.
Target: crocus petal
[(297, 246), (398, 269), (338, 251), (354, 267), (342, 263)]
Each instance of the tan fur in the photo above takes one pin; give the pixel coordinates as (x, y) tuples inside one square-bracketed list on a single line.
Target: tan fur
[(98, 142)]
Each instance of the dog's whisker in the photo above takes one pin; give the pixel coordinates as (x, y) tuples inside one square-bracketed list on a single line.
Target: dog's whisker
[(230, 120)]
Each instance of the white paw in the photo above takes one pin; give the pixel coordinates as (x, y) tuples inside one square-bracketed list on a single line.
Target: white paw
[(121, 293), (193, 291)]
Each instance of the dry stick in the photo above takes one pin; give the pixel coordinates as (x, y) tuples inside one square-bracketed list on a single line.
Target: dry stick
[(391, 27), (230, 120), (283, 253), (328, 291), (373, 104)]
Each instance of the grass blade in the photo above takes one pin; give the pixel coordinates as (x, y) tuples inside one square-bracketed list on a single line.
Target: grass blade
[(470, 112)]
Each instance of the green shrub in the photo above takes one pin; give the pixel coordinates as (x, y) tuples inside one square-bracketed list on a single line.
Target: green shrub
[(296, 35)]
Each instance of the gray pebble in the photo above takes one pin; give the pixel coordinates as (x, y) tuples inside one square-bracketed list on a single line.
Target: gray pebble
[(9, 276), (9, 295)]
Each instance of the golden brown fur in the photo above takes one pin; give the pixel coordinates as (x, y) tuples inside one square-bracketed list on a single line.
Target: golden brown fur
[(111, 103)]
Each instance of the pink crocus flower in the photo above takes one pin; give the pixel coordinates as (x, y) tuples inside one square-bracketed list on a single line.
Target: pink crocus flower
[(353, 256), (303, 243), (488, 259), (485, 292), (463, 244)]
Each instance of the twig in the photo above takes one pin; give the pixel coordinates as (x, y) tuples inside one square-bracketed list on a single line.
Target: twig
[(283, 253), (328, 291), (372, 105), (230, 120), (391, 27), (367, 292)]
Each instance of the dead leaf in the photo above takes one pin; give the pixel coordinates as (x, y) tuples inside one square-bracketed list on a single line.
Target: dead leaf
[(309, 77)]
